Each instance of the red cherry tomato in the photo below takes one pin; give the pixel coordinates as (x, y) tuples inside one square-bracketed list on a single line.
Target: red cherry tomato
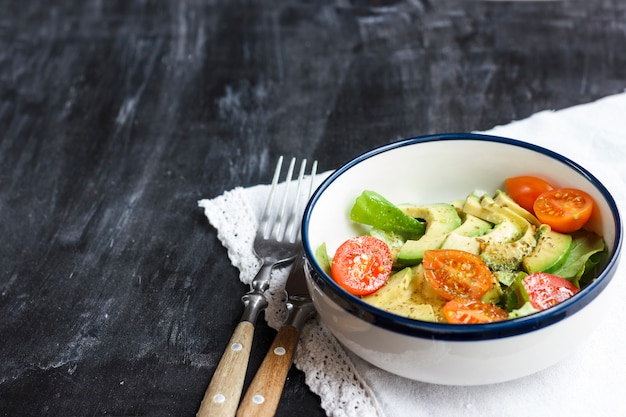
[(565, 209), (456, 273), (525, 189), (545, 290), (469, 311), (362, 265)]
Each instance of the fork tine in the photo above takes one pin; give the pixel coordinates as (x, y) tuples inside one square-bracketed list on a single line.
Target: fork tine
[(293, 224), (264, 222), (277, 229), (283, 224), (290, 221)]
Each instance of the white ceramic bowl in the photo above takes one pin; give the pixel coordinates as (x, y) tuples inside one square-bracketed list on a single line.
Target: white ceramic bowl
[(442, 168)]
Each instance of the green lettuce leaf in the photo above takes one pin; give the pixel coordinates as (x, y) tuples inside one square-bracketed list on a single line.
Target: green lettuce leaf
[(585, 253), (322, 258)]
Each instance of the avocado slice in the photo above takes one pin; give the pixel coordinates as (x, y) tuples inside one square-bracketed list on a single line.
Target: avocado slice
[(454, 240), (512, 238), (401, 295), (440, 218), (503, 232), (505, 201), (398, 286), (509, 227), (550, 253), (495, 292), (463, 237), (473, 226), (487, 209), (509, 256), (507, 213)]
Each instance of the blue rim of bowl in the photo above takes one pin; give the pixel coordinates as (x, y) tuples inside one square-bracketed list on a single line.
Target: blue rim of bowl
[(460, 332)]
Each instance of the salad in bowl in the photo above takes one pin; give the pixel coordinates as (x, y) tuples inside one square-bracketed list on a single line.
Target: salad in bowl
[(461, 259), (483, 258)]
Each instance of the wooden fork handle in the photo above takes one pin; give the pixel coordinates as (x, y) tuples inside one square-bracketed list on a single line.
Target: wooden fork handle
[(222, 396), (263, 395)]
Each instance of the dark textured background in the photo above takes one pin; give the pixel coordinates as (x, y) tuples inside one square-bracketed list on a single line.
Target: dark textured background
[(116, 298)]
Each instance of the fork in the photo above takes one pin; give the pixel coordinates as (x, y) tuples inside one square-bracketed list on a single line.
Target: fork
[(276, 244)]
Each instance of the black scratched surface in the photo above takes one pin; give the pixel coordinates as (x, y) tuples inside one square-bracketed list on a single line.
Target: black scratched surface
[(116, 297)]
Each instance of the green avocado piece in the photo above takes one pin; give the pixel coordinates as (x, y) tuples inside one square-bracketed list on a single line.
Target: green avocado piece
[(512, 238), (457, 241), (550, 253), (473, 206), (509, 227), (464, 237), (495, 293), (505, 201), (504, 232), (495, 211), (509, 256), (440, 218), (473, 226), (487, 202)]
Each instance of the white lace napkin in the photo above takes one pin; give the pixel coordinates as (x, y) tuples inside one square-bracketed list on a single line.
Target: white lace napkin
[(590, 382)]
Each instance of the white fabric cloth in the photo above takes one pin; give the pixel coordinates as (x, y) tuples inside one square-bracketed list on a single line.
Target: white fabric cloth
[(590, 382)]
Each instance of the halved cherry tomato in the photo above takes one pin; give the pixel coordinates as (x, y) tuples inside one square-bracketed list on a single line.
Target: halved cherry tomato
[(545, 290), (525, 189), (362, 265), (469, 311), (456, 273), (564, 209)]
